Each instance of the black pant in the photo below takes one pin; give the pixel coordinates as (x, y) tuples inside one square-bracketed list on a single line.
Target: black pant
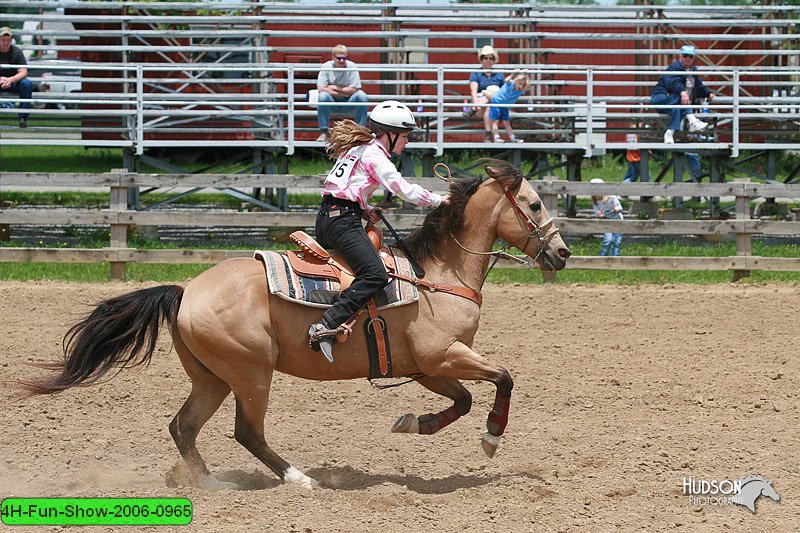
[(346, 233)]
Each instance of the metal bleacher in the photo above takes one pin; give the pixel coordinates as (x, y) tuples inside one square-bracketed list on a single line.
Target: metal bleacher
[(235, 75)]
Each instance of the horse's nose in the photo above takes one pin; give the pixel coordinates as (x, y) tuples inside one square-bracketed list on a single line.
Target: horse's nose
[(564, 253)]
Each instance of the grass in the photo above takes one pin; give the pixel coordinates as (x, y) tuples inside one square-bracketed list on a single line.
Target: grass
[(59, 159), (582, 247)]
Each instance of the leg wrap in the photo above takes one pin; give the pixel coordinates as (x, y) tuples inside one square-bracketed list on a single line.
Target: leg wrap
[(431, 423), (498, 417)]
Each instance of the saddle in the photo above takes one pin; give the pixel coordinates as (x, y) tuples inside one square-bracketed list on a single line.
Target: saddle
[(314, 261)]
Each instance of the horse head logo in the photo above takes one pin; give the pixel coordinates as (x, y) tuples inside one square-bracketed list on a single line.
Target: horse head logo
[(752, 488)]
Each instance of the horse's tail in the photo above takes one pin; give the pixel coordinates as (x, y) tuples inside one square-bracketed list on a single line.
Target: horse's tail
[(121, 332)]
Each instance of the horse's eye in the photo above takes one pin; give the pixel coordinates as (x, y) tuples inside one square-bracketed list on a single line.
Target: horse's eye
[(536, 207)]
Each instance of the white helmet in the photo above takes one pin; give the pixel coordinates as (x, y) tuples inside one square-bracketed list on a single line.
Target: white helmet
[(392, 115)]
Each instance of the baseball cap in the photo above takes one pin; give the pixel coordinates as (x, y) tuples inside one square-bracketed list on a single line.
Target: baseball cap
[(5, 30), (688, 50)]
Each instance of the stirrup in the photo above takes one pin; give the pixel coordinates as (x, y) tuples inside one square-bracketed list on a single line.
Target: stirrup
[(321, 339)]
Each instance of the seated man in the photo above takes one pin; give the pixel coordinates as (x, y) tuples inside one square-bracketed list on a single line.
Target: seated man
[(339, 81), (12, 79), (683, 88)]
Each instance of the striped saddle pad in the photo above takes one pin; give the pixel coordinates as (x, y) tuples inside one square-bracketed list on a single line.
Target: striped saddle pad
[(319, 292)]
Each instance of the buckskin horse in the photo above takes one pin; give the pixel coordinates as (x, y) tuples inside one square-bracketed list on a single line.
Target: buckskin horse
[(231, 334)]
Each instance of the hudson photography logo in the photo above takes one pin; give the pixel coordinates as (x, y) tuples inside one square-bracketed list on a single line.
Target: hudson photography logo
[(743, 491)]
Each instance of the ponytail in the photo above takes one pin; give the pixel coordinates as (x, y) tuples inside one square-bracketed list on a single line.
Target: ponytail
[(345, 135)]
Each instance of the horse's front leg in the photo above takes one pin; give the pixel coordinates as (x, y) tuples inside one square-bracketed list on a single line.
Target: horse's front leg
[(461, 363)]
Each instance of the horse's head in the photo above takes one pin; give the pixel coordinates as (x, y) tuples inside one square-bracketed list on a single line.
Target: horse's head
[(523, 220)]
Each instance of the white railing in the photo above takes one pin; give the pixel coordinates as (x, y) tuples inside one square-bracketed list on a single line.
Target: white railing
[(157, 105)]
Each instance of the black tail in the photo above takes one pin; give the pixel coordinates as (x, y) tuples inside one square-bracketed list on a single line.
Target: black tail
[(121, 332)]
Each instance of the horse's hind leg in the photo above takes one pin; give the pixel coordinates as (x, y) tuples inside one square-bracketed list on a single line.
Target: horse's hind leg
[(251, 408), (208, 392), (430, 423)]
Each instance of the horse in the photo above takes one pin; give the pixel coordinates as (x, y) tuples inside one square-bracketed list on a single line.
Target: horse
[(231, 334), (752, 488)]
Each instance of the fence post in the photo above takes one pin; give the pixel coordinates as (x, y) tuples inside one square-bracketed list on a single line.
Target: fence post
[(744, 241), (550, 201), (118, 202)]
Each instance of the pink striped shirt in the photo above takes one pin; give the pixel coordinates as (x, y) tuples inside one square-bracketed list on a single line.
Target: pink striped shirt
[(373, 169)]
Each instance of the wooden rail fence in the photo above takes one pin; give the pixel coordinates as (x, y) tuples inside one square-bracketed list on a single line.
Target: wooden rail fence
[(119, 218)]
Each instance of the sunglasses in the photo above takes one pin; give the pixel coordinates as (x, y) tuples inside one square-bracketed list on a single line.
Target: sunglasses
[(341, 58), (487, 57), (687, 56)]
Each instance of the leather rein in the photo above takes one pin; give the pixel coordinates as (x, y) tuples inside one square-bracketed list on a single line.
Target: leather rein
[(535, 230)]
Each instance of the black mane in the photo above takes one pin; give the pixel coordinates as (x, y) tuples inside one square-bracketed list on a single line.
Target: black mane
[(422, 243)]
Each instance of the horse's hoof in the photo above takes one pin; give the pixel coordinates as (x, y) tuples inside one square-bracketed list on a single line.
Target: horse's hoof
[(296, 477), (408, 423), (210, 483), (489, 443)]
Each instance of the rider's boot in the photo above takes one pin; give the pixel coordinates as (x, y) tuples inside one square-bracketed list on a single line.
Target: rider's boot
[(321, 338)]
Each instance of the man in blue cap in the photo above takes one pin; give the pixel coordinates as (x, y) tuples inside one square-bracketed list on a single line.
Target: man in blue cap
[(683, 89)]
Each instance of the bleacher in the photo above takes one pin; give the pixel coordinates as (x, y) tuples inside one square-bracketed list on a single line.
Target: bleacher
[(236, 75)]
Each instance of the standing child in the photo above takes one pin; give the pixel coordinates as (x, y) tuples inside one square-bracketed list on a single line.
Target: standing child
[(634, 157), (608, 207), (509, 93)]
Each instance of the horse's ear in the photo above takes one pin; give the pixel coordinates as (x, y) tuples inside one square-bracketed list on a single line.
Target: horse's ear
[(504, 172)]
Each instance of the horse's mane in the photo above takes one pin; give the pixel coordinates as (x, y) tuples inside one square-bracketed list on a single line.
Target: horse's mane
[(422, 242)]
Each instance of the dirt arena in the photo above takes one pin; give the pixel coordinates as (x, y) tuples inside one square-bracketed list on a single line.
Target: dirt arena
[(620, 394)]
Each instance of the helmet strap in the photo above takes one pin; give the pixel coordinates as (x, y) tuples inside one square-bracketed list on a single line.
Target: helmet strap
[(392, 140)]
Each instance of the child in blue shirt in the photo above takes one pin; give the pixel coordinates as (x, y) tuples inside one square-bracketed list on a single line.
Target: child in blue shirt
[(509, 93)]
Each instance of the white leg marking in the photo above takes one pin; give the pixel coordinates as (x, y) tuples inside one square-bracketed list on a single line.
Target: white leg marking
[(296, 477), (209, 482), (490, 443), (408, 423)]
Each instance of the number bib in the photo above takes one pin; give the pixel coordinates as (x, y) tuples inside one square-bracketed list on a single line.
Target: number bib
[(344, 167)]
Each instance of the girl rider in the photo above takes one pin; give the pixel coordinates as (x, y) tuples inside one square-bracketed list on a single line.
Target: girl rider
[(362, 165)]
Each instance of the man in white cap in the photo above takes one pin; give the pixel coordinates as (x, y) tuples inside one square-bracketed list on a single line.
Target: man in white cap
[(684, 89), (12, 79)]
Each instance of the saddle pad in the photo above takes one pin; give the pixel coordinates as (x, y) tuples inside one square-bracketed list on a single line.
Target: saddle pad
[(317, 292)]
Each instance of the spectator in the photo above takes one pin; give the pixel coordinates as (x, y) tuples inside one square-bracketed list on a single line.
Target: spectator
[(634, 158), (608, 207), (674, 89), (12, 79), (339, 81), (478, 82), (362, 165), (509, 93)]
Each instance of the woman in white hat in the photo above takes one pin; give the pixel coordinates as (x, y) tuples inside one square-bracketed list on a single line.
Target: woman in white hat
[(479, 81)]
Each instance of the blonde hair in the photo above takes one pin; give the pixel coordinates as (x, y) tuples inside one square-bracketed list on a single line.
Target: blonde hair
[(523, 78), (345, 135), (339, 49)]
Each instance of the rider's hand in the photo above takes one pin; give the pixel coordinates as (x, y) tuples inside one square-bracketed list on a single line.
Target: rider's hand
[(446, 198), (373, 217)]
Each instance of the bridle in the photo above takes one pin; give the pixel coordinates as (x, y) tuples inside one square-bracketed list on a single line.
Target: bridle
[(544, 233)]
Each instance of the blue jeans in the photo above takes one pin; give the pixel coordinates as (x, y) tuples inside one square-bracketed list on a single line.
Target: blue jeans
[(324, 111), (346, 233), (24, 88), (632, 172), (675, 115), (612, 240), (695, 165)]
